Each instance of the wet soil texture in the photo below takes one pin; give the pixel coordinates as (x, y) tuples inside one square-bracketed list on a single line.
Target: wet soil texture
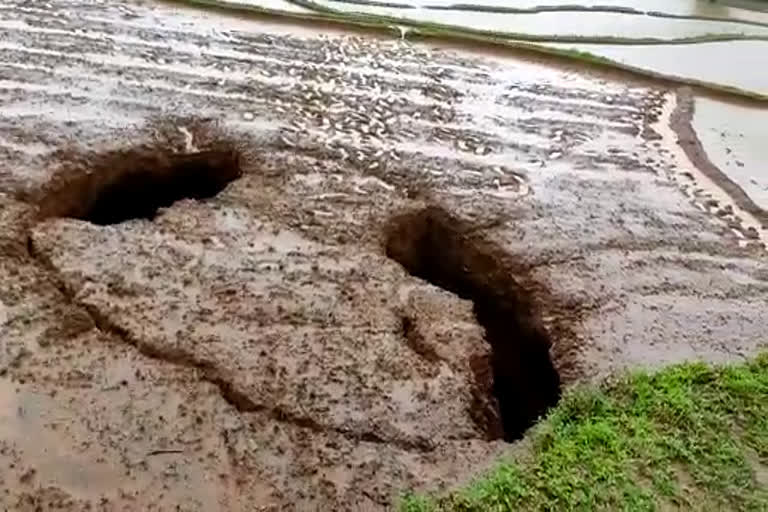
[(401, 256)]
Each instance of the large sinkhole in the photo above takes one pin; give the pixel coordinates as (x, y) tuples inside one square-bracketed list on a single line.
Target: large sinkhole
[(434, 246), (113, 187)]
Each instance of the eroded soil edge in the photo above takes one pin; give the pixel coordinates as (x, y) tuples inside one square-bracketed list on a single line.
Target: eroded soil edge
[(435, 246)]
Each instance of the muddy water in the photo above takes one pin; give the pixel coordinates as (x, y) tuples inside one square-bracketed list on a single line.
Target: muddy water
[(249, 350), (743, 60), (681, 7), (706, 189), (735, 139), (739, 64), (596, 24)]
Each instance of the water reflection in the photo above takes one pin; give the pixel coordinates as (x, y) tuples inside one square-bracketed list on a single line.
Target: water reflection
[(739, 64)]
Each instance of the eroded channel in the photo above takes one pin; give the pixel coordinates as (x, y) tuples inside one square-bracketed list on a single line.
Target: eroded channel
[(435, 246)]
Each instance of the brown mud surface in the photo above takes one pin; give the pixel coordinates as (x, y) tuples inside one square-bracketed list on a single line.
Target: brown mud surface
[(247, 267)]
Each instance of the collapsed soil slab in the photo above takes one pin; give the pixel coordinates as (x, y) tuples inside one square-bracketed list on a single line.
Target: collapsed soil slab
[(434, 245)]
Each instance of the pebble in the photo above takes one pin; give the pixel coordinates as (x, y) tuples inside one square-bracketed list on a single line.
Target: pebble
[(248, 116)]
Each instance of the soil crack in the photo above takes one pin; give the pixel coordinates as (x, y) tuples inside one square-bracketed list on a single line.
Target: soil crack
[(434, 246), (208, 372)]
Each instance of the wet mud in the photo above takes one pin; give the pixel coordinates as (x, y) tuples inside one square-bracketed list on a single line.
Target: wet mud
[(413, 251)]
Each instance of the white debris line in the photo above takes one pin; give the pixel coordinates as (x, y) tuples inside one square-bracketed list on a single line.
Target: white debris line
[(576, 102)]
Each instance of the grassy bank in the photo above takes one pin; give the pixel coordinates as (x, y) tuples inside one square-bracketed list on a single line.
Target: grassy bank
[(690, 437)]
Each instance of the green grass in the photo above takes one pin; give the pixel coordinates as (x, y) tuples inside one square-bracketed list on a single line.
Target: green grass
[(690, 437)]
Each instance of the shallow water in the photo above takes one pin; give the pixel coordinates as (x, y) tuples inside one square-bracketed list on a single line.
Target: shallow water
[(278, 5), (734, 137), (592, 24), (739, 64), (734, 63), (29, 420)]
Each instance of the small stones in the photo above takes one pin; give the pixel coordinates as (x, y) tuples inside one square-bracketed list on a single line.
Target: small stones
[(248, 116)]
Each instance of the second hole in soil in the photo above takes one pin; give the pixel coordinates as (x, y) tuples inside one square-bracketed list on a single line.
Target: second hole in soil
[(433, 245)]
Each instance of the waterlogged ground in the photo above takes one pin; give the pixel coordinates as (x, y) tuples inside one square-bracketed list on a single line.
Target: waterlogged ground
[(734, 65), (271, 347), (562, 24), (706, 36), (679, 7)]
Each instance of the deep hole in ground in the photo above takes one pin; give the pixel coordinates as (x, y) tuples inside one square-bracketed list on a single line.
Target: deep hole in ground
[(437, 247), (113, 187)]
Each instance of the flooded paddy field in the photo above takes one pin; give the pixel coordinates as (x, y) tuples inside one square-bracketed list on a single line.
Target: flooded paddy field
[(251, 265), (731, 64), (560, 23)]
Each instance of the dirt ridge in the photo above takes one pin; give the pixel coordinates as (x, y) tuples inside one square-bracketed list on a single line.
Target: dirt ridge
[(207, 370)]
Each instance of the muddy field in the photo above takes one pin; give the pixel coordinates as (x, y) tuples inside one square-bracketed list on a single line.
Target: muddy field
[(251, 266)]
